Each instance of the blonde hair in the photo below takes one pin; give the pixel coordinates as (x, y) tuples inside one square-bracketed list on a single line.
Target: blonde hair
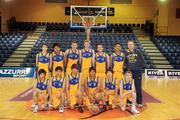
[(87, 41)]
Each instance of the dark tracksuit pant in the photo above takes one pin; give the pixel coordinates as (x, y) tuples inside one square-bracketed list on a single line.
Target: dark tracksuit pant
[(137, 76)]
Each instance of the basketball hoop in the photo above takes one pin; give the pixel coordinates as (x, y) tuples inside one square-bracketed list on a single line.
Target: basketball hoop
[(87, 25)]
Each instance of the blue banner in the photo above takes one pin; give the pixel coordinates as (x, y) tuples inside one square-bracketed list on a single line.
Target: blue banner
[(19, 72)]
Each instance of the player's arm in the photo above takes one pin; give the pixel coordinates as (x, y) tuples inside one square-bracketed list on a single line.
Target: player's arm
[(108, 61), (50, 86), (103, 84), (67, 86), (121, 89), (64, 60), (50, 64), (116, 91), (34, 84), (94, 60), (86, 87), (111, 61), (80, 56), (64, 85), (65, 57), (80, 84), (93, 55), (37, 60)]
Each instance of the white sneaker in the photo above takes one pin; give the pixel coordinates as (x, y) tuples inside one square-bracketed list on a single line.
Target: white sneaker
[(50, 105), (134, 111), (35, 110), (139, 105), (43, 106), (61, 109)]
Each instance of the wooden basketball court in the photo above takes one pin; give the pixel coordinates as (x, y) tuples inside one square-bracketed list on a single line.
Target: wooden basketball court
[(161, 99)]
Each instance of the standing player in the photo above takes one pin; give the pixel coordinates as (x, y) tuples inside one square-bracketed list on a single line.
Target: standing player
[(40, 91), (71, 56), (117, 62), (57, 58), (43, 60), (127, 92), (86, 57), (73, 87), (101, 61), (110, 88), (57, 89)]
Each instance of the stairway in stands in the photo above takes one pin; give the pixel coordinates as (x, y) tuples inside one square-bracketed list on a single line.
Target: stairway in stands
[(16, 59), (155, 55)]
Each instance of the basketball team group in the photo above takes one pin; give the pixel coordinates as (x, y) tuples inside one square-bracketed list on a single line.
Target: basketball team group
[(88, 79)]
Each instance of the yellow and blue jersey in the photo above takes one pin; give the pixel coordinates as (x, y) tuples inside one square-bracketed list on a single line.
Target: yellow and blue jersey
[(127, 85), (73, 88), (72, 58), (92, 85), (87, 59), (118, 62), (42, 86), (73, 82), (43, 62), (57, 83), (101, 64), (110, 85), (57, 60)]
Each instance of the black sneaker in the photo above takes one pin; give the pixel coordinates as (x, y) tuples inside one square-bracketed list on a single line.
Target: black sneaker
[(80, 109)]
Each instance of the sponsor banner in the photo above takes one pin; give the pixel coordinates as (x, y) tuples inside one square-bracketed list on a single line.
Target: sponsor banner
[(18, 72), (173, 74), (162, 74)]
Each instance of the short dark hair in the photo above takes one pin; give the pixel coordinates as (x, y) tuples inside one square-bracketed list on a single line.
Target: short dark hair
[(92, 68), (41, 71), (74, 66), (58, 68), (44, 44), (74, 41), (117, 44), (99, 44), (109, 70), (56, 44)]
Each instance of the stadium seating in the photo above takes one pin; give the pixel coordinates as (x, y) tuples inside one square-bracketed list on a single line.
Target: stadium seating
[(23, 26), (169, 46), (8, 43), (65, 38)]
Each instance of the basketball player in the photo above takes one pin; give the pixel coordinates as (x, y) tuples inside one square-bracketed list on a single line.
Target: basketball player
[(74, 93), (117, 62), (101, 61), (71, 56), (110, 88), (57, 58), (86, 57), (127, 92), (43, 60), (57, 89), (40, 90), (95, 99)]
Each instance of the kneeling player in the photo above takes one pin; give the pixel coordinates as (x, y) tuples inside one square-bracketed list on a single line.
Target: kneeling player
[(110, 88), (127, 92), (95, 99), (57, 90), (74, 88), (40, 92)]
